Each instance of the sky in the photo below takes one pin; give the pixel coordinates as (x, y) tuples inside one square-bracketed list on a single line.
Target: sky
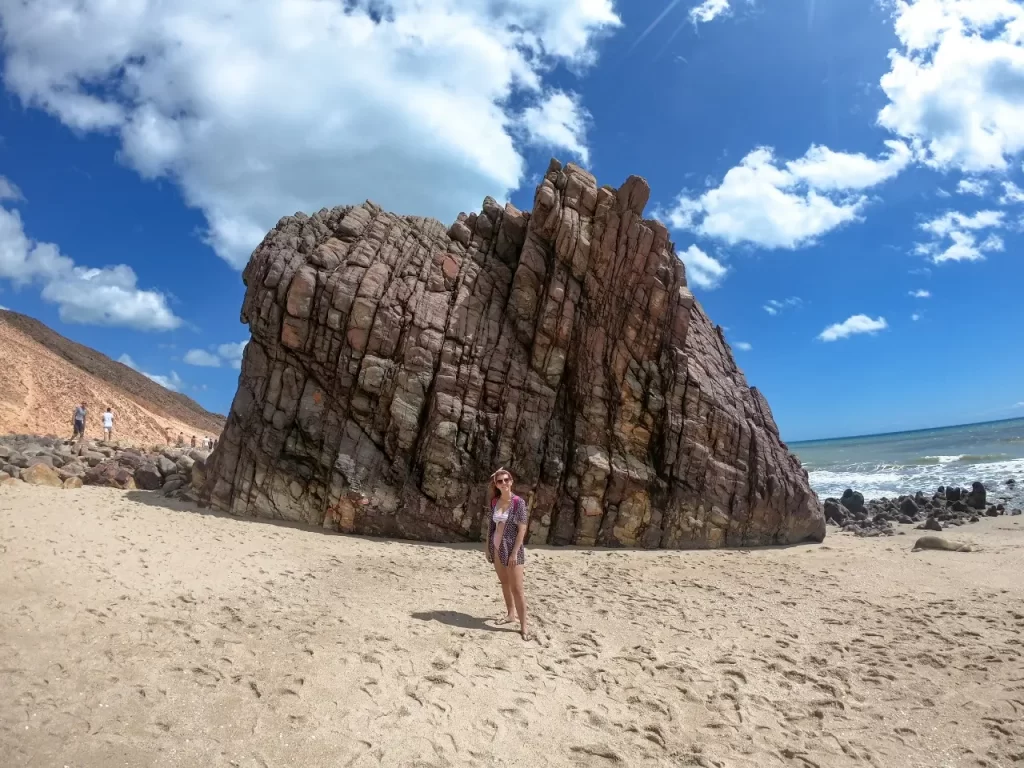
[(843, 180)]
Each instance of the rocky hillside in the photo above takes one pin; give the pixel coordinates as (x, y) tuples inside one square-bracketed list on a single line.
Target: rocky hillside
[(395, 363), (43, 375)]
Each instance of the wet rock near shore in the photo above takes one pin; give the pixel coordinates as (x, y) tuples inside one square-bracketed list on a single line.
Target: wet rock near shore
[(70, 464), (947, 507)]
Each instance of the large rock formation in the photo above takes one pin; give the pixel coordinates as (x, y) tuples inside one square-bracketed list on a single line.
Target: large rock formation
[(394, 364)]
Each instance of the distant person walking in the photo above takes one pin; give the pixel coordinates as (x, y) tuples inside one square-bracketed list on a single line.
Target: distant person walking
[(181, 439), (505, 536), (108, 424), (79, 422), (193, 441)]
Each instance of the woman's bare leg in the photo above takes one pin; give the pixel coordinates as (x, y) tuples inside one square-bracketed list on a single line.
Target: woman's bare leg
[(515, 573), (505, 577)]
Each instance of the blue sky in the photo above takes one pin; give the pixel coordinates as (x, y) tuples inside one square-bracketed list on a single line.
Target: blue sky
[(820, 162)]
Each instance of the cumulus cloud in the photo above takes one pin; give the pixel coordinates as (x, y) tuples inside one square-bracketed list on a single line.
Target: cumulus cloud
[(92, 296), (921, 294), (955, 83), (774, 306), (9, 190), (202, 357), (915, 317), (771, 204), (257, 110), (559, 122), (172, 382), (709, 10), (745, 346), (852, 326), (978, 187), (225, 354), (702, 270), (955, 236), (1012, 194)]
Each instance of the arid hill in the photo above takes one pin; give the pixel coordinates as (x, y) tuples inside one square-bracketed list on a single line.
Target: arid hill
[(43, 375)]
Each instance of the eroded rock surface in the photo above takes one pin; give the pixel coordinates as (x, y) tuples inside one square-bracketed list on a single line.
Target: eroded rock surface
[(394, 364)]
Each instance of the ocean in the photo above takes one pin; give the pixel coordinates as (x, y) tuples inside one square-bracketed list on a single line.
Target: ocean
[(922, 460)]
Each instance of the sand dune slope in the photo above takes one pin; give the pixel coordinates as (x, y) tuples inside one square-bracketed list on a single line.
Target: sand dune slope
[(142, 635)]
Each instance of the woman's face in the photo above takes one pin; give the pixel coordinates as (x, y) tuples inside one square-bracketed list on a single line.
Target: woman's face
[(503, 481)]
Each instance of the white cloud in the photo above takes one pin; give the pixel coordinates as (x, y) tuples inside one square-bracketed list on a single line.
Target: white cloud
[(202, 357), (920, 293), (851, 326), (232, 353), (955, 85), (709, 10), (955, 236), (1019, 405), (702, 270), (226, 354), (1012, 194), (745, 346), (9, 190), (257, 110), (774, 306), (786, 206), (109, 296), (559, 122), (915, 317), (976, 187), (172, 382)]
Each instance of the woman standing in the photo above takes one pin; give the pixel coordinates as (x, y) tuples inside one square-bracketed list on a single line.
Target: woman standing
[(505, 536)]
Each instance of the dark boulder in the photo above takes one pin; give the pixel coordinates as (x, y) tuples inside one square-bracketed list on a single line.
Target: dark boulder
[(976, 498), (908, 507), (148, 477), (931, 524)]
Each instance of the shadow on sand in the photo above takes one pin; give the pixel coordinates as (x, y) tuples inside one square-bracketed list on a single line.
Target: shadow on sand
[(461, 620), (156, 499)]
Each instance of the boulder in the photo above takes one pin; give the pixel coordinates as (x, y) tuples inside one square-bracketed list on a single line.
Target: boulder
[(977, 497), (41, 459), (148, 477), (71, 469), (853, 501), (932, 524), (953, 493), (197, 455), (11, 481), (41, 474), (395, 357), (172, 485), (166, 466), (12, 470), (92, 458), (73, 482), (130, 460), (5, 452), (198, 475), (184, 464), (908, 507), (110, 474)]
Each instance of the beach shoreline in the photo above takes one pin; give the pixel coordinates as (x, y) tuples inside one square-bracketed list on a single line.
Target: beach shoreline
[(140, 630)]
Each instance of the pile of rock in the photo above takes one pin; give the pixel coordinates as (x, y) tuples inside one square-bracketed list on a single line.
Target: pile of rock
[(72, 464), (952, 506)]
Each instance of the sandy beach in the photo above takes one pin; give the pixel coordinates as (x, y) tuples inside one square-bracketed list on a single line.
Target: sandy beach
[(140, 632)]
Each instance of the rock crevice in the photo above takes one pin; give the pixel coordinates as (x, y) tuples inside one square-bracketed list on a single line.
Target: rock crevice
[(394, 364)]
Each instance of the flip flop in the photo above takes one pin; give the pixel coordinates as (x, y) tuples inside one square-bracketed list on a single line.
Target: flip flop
[(503, 620), (527, 636)]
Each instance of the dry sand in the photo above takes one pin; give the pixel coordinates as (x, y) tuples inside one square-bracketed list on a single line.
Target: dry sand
[(133, 633)]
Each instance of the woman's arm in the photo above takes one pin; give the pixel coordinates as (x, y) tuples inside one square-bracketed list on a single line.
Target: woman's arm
[(521, 521)]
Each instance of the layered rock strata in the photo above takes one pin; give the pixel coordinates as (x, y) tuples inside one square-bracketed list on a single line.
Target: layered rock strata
[(395, 364)]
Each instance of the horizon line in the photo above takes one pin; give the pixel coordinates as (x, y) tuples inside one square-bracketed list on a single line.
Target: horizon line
[(903, 431)]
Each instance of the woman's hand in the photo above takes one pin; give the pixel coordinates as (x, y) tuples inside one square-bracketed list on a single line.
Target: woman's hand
[(513, 557)]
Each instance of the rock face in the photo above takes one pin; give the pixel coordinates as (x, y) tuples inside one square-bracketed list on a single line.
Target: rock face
[(395, 364)]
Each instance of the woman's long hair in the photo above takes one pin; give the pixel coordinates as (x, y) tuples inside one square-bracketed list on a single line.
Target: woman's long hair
[(495, 494)]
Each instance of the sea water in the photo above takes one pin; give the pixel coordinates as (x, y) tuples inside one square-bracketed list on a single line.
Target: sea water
[(906, 462)]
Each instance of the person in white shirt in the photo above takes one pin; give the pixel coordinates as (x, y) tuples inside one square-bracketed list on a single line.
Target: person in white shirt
[(108, 424)]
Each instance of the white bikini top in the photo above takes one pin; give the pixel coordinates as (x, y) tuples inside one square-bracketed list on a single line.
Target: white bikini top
[(500, 516)]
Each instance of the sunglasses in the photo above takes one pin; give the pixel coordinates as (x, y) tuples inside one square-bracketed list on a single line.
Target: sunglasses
[(503, 480)]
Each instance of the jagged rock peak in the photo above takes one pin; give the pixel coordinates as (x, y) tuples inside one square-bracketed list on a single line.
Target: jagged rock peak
[(394, 364)]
